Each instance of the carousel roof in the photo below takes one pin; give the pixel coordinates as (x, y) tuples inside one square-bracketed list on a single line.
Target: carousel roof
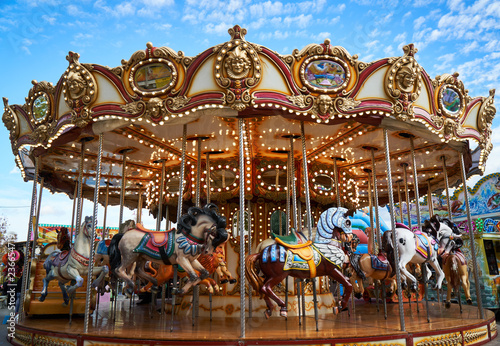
[(141, 107)]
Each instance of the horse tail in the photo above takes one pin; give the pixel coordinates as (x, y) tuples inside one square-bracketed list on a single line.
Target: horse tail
[(252, 274), (354, 260), (454, 275), (387, 241), (115, 256)]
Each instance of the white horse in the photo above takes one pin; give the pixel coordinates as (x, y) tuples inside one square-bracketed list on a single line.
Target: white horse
[(419, 248), (71, 266)]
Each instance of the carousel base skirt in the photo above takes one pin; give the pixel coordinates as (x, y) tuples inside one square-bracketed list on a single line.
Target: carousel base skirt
[(134, 325)]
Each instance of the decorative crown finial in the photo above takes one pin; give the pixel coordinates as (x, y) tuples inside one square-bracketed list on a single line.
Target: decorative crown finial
[(237, 33)]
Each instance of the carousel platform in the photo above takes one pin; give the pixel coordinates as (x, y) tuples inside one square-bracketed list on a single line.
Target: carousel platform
[(365, 326)]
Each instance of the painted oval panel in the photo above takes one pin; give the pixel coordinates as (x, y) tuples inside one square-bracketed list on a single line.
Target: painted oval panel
[(40, 107), (451, 101), (324, 74), (323, 182), (153, 77)]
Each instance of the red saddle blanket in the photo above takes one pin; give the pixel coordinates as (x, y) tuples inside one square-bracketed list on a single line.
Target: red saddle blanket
[(157, 238)]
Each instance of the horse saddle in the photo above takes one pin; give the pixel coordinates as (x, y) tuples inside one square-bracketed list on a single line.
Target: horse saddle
[(158, 238), (61, 258), (292, 239), (460, 256), (380, 262), (425, 245), (102, 248), (159, 248)]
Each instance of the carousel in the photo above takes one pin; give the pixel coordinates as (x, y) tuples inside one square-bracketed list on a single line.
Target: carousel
[(256, 160)]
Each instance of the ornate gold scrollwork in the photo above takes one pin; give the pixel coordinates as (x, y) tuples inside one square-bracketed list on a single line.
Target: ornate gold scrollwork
[(79, 89), (177, 102), (403, 82), (301, 101), (238, 68), (486, 113), (151, 71), (451, 100), (11, 121), (453, 339)]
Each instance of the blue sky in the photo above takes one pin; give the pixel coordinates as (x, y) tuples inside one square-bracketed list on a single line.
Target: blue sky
[(36, 36)]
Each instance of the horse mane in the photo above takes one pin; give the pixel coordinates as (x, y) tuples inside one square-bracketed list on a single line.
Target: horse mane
[(188, 220), (63, 241), (354, 260)]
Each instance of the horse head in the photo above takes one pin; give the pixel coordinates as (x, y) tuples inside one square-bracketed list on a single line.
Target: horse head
[(87, 226), (447, 234), (126, 226), (205, 226), (331, 224)]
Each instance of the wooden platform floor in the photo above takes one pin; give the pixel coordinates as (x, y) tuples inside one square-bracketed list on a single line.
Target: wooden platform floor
[(365, 324)]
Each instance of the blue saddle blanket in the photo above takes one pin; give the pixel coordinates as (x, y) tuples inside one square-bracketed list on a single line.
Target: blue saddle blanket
[(274, 253), (378, 264)]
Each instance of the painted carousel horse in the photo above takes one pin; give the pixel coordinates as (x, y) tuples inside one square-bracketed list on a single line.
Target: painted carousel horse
[(211, 262), (70, 266), (219, 260), (101, 249), (415, 247), (322, 257), (199, 231), (453, 260)]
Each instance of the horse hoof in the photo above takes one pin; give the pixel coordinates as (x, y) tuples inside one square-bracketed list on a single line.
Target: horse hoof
[(65, 304), (336, 310), (357, 295), (283, 312), (222, 282), (469, 301), (232, 281), (41, 299), (268, 313), (447, 304)]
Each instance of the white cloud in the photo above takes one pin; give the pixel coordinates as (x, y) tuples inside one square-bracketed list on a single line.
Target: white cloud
[(267, 9), (321, 36), (445, 63), (417, 23), (219, 29), (341, 8), (301, 21), (469, 47), (400, 37), (15, 170), (50, 20), (334, 20), (389, 51)]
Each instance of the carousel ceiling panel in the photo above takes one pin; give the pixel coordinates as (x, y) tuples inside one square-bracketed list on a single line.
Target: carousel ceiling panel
[(371, 87), (107, 91), (272, 78)]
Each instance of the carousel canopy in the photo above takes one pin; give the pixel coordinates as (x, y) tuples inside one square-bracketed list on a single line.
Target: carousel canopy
[(142, 107)]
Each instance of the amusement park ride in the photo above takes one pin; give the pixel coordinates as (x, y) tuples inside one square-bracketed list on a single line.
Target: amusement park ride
[(314, 135)]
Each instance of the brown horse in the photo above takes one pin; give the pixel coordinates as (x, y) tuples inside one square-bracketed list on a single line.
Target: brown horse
[(454, 263), (324, 257), (213, 263)]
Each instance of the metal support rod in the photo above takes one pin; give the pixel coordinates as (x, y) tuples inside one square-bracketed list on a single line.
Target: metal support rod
[(447, 187), (196, 289), (472, 237), (294, 185), (415, 183), (308, 208), (122, 189), (179, 213), (288, 189), (375, 190), (37, 219), (92, 238), (400, 201), (370, 206), (159, 217), (139, 205), (80, 186), (208, 175), (393, 225), (417, 207), (241, 124), (337, 181), (429, 199), (407, 194), (75, 194), (27, 247), (104, 232), (249, 205)]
